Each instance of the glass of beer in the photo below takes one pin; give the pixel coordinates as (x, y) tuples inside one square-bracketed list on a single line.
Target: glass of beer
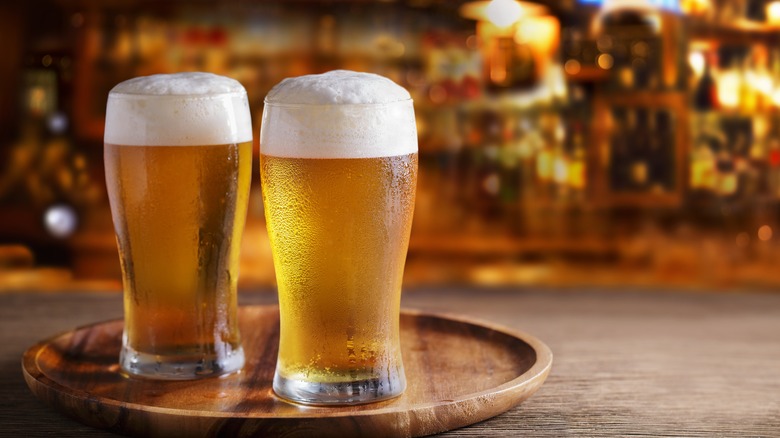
[(339, 169), (178, 154)]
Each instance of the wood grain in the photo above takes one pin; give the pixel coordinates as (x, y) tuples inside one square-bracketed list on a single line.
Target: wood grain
[(628, 362), (459, 373)]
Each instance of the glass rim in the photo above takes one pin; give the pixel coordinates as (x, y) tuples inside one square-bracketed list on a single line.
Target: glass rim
[(337, 105), (121, 95)]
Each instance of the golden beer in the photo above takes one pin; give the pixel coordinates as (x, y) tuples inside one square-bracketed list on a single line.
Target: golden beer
[(338, 163), (339, 229), (181, 211), (178, 157)]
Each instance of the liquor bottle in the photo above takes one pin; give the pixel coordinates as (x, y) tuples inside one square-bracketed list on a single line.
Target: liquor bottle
[(658, 155), (748, 96), (577, 166), (775, 74), (760, 78), (641, 135), (619, 151), (705, 94)]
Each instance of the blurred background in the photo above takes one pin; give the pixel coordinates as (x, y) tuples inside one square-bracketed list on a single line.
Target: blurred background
[(568, 142)]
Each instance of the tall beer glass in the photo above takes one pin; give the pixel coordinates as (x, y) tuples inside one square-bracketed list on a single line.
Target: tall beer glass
[(178, 154), (339, 169)]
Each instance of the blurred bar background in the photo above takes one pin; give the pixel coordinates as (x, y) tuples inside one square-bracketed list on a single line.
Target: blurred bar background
[(568, 142)]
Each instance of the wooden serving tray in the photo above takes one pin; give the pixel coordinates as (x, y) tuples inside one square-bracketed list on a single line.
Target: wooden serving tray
[(459, 372)]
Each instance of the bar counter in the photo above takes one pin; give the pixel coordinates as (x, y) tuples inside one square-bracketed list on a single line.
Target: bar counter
[(626, 362)]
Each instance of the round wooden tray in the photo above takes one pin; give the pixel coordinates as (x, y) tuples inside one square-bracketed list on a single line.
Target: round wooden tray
[(459, 372)]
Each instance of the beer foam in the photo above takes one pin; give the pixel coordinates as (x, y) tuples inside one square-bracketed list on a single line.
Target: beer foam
[(181, 109), (339, 114), (337, 87)]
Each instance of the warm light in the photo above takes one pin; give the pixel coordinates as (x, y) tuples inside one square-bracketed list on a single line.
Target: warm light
[(606, 61), (773, 13), (498, 67), (36, 99), (541, 33), (727, 184), (544, 165), (765, 233), (628, 5), (639, 172), (697, 62), (505, 25), (503, 13), (695, 7), (762, 82), (577, 177), (560, 170), (729, 85), (703, 174), (761, 127), (572, 67)]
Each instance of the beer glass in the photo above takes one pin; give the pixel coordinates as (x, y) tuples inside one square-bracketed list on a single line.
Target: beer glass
[(338, 188), (178, 154)]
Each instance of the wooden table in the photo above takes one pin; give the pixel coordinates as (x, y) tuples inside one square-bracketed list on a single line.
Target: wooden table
[(627, 363)]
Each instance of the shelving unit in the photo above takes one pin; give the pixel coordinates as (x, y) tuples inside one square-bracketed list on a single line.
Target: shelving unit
[(488, 183)]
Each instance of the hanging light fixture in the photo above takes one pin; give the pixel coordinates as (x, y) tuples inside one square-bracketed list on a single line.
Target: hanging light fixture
[(773, 13), (501, 13), (517, 40), (616, 12)]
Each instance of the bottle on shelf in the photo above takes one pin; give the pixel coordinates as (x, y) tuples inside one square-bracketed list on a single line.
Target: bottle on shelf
[(705, 93), (577, 177)]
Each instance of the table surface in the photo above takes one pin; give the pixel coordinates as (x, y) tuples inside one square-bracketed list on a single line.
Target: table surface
[(627, 362)]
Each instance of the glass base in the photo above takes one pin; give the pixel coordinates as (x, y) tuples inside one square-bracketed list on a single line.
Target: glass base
[(340, 393), (153, 366)]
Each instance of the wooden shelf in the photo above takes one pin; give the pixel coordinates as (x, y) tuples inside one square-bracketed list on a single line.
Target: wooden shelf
[(648, 99), (739, 32), (589, 74)]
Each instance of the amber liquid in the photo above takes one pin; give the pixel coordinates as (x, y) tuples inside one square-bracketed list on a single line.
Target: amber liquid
[(179, 213), (339, 230)]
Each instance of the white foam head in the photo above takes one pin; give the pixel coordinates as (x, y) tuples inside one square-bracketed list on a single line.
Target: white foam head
[(181, 109), (339, 114)]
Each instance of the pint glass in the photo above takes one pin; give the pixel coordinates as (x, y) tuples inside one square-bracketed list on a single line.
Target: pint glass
[(178, 154), (338, 188)]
